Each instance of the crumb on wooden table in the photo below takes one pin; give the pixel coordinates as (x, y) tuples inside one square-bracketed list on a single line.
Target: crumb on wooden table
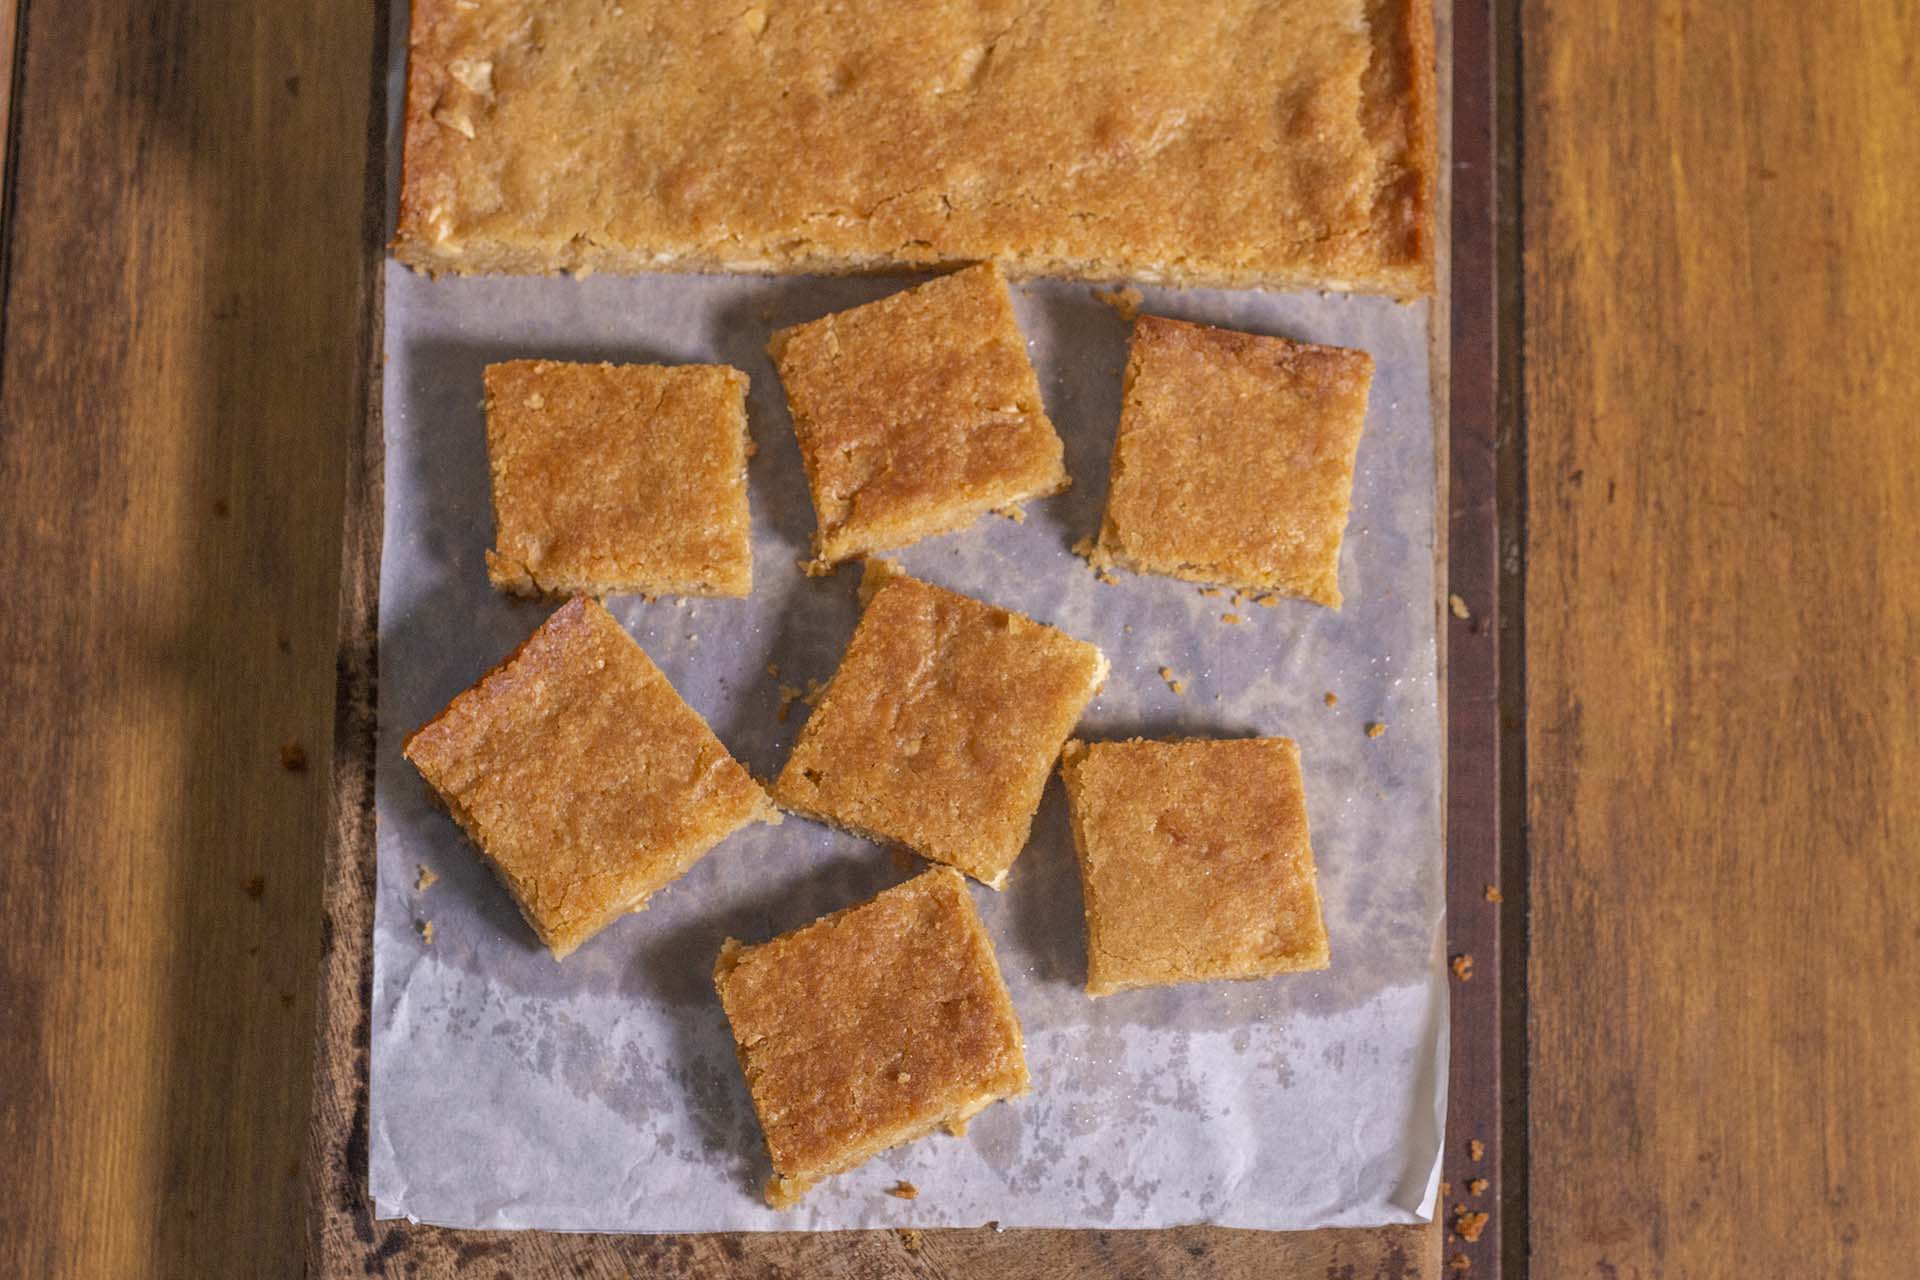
[(256, 887), (1460, 1262), (1468, 1224), (1376, 728), (1476, 1149), (1446, 1188), (904, 1190), (1459, 607), (1125, 300), (1174, 682), (293, 757), (1332, 699), (910, 1238), (1476, 1186), (425, 880), (1493, 893), (1462, 966)]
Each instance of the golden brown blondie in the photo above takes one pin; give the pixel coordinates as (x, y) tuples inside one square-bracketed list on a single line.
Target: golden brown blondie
[(618, 478), (939, 729), (1233, 462), (584, 779), (869, 1028), (1194, 859), (916, 414), (1235, 142)]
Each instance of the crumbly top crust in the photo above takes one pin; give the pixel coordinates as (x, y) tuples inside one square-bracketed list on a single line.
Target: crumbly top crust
[(871, 1025), (917, 413), (940, 727), (582, 775), (1233, 462), (618, 478), (1244, 142), (1195, 860)]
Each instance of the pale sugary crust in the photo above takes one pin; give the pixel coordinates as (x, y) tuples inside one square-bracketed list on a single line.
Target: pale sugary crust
[(939, 729), (916, 414), (584, 779), (1232, 143), (1195, 861), (1233, 460), (869, 1028)]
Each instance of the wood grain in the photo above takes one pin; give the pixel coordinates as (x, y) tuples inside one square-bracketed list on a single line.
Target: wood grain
[(184, 294), (1723, 637)]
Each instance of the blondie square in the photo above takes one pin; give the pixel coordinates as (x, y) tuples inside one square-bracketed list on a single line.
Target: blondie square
[(1194, 860), (1234, 459), (618, 478), (584, 779), (870, 1028), (1236, 142), (916, 414), (940, 727)]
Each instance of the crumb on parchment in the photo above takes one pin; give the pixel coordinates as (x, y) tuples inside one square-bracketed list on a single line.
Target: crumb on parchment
[(773, 670), (426, 879), (1083, 548), (1125, 300), (789, 694), (1376, 728), (1212, 593), (904, 1190), (1174, 682), (1332, 699), (1268, 601), (1232, 619), (426, 932), (1012, 511)]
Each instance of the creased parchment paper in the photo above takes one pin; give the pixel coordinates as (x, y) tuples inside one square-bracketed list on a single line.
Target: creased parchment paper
[(602, 1093)]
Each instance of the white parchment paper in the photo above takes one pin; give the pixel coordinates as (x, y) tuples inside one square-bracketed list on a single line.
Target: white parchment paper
[(603, 1094)]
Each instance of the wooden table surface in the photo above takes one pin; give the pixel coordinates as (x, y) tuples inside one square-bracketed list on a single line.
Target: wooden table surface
[(1717, 372)]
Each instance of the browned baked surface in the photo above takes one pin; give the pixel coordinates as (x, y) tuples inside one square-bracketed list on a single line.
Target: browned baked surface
[(582, 776), (940, 727), (869, 1028), (1194, 859), (1243, 142), (1233, 462), (916, 414), (618, 478)]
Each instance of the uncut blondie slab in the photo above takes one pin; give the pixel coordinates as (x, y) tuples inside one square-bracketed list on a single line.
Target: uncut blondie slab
[(916, 414), (1233, 142), (618, 478), (1233, 462), (939, 729), (869, 1028), (584, 779), (1195, 861)]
